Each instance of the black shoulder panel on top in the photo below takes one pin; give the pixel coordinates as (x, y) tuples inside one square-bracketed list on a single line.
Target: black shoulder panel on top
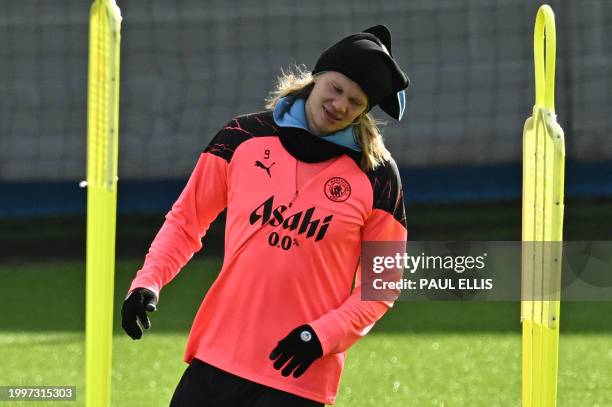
[(238, 131), (387, 190)]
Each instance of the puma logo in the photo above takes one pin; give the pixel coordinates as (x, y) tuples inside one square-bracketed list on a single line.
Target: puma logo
[(261, 165)]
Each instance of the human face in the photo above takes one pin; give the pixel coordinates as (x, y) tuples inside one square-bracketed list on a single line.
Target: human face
[(334, 103)]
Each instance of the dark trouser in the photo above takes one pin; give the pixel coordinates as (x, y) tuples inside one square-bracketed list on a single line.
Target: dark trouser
[(203, 385)]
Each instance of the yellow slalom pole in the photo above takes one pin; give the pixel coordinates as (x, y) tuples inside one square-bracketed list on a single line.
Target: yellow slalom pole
[(102, 154), (543, 184)]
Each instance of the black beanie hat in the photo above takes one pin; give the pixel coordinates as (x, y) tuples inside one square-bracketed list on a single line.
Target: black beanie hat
[(366, 58)]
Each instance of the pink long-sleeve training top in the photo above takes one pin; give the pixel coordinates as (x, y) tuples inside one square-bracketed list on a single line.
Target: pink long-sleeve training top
[(298, 209)]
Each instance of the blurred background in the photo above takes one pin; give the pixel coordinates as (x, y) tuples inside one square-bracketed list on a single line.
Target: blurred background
[(189, 66)]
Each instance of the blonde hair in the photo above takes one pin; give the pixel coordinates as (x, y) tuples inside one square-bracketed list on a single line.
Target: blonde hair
[(298, 82)]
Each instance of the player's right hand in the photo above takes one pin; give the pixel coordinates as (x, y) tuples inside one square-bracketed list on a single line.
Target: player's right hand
[(134, 308)]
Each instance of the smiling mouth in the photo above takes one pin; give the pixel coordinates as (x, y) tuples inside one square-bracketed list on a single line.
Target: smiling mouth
[(330, 116)]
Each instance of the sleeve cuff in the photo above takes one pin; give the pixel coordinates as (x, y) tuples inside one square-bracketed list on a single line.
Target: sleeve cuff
[(151, 287), (328, 344)]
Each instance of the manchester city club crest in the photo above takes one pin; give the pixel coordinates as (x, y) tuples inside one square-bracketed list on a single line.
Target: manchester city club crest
[(337, 189)]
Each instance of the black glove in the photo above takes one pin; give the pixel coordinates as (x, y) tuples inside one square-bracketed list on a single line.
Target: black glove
[(301, 346), (135, 307)]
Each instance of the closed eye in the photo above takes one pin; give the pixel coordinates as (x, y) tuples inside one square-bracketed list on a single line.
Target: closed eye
[(353, 101)]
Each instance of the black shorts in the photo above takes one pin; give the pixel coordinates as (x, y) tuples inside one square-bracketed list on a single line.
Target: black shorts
[(203, 385)]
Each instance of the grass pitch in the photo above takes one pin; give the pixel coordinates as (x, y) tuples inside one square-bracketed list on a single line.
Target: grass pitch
[(419, 354)]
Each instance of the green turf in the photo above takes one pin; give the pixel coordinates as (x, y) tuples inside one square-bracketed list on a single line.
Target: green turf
[(420, 354), (384, 369)]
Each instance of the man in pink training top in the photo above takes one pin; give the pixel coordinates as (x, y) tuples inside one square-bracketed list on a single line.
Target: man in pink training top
[(304, 183)]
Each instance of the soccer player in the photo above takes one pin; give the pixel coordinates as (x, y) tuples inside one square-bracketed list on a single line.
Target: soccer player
[(304, 183)]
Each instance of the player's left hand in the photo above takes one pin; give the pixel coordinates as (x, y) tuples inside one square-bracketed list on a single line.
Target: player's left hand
[(301, 348)]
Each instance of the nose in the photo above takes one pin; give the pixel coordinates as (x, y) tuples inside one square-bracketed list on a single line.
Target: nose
[(340, 105)]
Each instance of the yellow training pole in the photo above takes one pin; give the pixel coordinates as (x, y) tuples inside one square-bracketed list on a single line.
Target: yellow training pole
[(543, 177), (102, 154)]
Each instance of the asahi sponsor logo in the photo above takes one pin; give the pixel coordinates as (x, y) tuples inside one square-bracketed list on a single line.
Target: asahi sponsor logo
[(303, 221)]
